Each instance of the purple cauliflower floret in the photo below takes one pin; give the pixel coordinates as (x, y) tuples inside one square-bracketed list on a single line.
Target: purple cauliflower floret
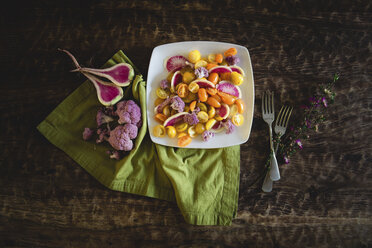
[(164, 84), (201, 72), (102, 118), (128, 112), (207, 135), (196, 110), (229, 126), (131, 130), (87, 134), (160, 107), (119, 139), (177, 103), (191, 119), (232, 60), (103, 134), (110, 111), (114, 154)]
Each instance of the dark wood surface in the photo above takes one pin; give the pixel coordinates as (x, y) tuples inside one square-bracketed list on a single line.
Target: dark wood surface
[(324, 196)]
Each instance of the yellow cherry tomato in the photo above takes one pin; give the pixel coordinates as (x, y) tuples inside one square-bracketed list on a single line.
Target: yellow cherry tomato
[(159, 131), (162, 94), (202, 106), (193, 87), (203, 116), (210, 123), (181, 127), (240, 105), (158, 101), (236, 78), (187, 77), (192, 132), (184, 141), (200, 128), (237, 119), (181, 134), (211, 112), (212, 58), (166, 111), (171, 131), (194, 56), (233, 110), (218, 117), (201, 63)]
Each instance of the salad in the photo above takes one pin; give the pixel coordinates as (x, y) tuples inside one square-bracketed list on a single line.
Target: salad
[(200, 97)]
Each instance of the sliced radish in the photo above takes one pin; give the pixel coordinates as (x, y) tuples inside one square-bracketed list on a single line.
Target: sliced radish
[(224, 111), (203, 83), (172, 120), (175, 63), (229, 88), (237, 69), (220, 69), (176, 79)]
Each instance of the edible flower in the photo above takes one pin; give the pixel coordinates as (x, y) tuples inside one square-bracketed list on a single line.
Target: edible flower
[(298, 142), (207, 135), (324, 101)]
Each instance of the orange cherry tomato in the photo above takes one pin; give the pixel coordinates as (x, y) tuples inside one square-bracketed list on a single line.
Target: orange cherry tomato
[(240, 104), (230, 52), (213, 77), (184, 141), (160, 117), (213, 102), (218, 98), (203, 96), (212, 91), (219, 58), (192, 105), (183, 90), (226, 98), (225, 76), (210, 66)]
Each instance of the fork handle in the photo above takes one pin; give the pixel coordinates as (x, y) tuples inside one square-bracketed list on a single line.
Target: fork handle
[(274, 169), (267, 185)]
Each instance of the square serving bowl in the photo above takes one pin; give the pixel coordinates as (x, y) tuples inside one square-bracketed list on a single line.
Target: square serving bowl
[(157, 72)]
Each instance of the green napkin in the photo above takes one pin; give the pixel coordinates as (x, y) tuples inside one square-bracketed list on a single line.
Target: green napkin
[(203, 182)]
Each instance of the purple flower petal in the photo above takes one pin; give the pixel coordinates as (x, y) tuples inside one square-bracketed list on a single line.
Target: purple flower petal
[(324, 101), (298, 142), (286, 159)]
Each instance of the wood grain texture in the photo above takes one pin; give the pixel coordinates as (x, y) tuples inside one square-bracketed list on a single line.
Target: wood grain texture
[(324, 197)]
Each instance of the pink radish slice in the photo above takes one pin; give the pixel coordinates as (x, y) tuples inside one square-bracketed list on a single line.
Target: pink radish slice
[(203, 83), (229, 88), (175, 63), (176, 79), (237, 69), (224, 111), (108, 94), (220, 69), (174, 119), (120, 74)]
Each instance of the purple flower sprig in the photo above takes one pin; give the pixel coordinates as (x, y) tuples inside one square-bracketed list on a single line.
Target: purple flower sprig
[(314, 114)]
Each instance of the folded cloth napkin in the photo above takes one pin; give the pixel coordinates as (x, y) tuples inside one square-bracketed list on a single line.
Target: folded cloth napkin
[(203, 182)]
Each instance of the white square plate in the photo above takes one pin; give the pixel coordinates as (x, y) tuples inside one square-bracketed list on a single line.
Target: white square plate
[(158, 72)]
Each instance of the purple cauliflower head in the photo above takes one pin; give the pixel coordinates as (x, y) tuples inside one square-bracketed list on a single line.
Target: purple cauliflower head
[(128, 112), (201, 72), (131, 130), (232, 60), (207, 135), (191, 119), (229, 126), (177, 103), (119, 139), (103, 134)]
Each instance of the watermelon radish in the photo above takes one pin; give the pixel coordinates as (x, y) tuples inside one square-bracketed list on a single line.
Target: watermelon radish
[(217, 127), (203, 83), (176, 79), (237, 69), (224, 111), (172, 120), (175, 63), (229, 88), (220, 69)]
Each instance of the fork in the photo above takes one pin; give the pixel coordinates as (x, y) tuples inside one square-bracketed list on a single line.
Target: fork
[(268, 115), (281, 124)]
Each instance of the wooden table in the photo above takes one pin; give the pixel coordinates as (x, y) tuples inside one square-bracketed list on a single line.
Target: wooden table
[(324, 196)]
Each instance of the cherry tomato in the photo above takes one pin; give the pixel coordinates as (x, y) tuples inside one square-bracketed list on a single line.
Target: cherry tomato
[(218, 98), (240, 104), (218, 58), (158, 101), (213, 102), (159, 131), (200, 128), (211, 112), (213, 77), (212, 91), (225, 76), (193, 87), (182, 90), (203, 116), (192, 105), (203, 96), (237, 119), (160, 117), (210, 66), (184, 141), (226, 98), (230, 52), (171, 131)]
